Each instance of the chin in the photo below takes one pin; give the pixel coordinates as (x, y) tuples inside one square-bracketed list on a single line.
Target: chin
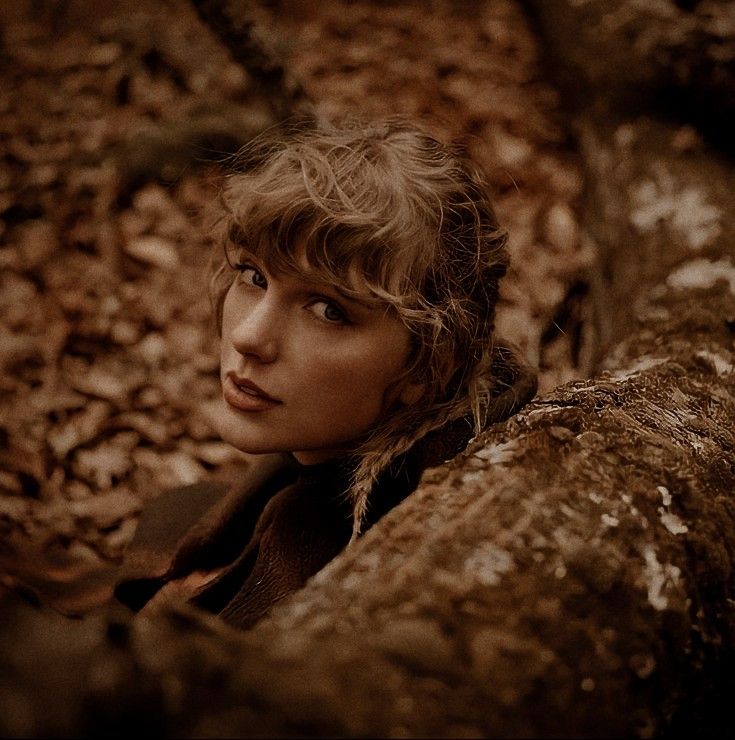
[(236, 431)]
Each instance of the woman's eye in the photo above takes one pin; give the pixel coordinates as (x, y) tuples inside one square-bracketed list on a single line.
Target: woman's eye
[(329, 312), (251, 276)]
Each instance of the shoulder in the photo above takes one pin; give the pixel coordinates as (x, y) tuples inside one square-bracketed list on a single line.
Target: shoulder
[(195, 526)]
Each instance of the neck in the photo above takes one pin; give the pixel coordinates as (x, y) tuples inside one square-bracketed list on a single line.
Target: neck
[(314, 457)]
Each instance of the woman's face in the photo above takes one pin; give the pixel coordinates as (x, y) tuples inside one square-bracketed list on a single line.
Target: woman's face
[(305, 369)]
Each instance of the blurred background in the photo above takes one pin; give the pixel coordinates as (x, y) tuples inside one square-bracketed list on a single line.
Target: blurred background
[(115, 121)]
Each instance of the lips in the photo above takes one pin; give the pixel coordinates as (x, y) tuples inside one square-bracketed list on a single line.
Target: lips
[(246, 395)]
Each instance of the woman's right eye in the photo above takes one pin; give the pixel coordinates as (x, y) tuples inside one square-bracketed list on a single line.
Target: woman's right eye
[(250, 276)]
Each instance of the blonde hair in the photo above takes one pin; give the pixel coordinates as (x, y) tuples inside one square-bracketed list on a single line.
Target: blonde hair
[(408, 215)]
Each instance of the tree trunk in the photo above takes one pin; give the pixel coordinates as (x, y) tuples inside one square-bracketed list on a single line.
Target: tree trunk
[(676, 55), (233, 25)]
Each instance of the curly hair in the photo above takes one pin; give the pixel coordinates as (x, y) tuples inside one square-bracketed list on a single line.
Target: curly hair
[(407, 215)]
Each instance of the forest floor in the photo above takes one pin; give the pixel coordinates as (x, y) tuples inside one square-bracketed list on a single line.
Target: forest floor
[(114, 120)]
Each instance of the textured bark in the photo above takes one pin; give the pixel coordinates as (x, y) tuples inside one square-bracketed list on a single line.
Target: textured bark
[(165, 152), (676, 56), (570, 574), (231, 22)]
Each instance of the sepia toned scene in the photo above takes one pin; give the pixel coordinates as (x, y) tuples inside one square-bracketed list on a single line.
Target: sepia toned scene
[(565, 568)]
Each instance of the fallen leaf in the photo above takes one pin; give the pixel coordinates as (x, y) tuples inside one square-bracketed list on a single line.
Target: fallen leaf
[(106, 509), (37, 241), (110, 459), (14, 508), (216, 453), (153, 250), (144, 424), (81, 428)]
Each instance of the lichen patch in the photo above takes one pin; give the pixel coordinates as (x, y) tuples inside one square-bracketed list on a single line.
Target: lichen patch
[(658, 578), (703, 273), (498, 454), (685, 210), (672, 522), (487, 563), (641, 364), (721, 364)]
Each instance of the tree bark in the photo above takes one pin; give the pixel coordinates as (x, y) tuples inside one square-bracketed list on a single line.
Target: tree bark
[(232, 23), (677, 57)]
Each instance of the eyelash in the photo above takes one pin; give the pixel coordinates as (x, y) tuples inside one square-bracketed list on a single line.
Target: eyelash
[(242, 266), (343, 321)]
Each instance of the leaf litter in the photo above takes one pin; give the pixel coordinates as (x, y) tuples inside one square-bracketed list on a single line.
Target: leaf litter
[(109, 123)]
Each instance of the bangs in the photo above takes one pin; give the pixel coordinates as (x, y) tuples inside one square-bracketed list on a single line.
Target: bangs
[(363, 233), (329, 254)]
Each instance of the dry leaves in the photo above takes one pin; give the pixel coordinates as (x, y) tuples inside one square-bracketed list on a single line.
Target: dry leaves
[(105, 340), (109, 366)]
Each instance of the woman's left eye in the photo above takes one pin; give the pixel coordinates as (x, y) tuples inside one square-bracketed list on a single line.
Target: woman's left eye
[(329, 312), (249, 275)]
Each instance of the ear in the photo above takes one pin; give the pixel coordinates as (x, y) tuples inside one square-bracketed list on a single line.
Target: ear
[(411, 393)]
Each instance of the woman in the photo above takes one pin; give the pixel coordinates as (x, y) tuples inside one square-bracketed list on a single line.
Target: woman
[(355, 304)]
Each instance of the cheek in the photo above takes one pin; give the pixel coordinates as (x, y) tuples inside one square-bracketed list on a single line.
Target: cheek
[(352, 380)]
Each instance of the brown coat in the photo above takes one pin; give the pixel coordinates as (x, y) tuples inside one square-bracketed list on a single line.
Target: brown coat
[(237, 550)]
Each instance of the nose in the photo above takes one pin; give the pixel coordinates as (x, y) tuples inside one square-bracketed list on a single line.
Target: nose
[(255, 333)]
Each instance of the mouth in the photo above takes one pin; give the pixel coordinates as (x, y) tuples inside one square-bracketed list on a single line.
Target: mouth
[(246, 395)]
